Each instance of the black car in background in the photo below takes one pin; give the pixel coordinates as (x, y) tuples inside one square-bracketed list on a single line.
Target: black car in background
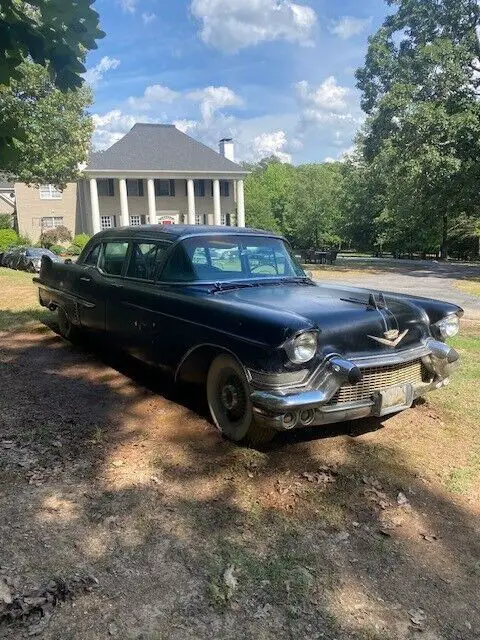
[(26, 258), (231, 309), (30, 258)]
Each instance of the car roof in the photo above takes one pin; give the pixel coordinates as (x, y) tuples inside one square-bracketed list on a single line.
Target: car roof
[(174, 232)]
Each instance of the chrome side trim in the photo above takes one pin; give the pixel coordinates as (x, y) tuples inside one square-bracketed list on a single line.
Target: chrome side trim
[(69, 296)]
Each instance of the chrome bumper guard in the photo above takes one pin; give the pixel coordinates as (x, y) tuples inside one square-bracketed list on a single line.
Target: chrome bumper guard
[(277, 408)]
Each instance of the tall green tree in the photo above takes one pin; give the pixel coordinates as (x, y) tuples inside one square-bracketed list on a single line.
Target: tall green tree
[(57, 128), (315, 211), (420, 87), (56, 34)]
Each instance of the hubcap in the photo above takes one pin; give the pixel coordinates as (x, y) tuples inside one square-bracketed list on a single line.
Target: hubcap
[(229, 397), (232, 397)]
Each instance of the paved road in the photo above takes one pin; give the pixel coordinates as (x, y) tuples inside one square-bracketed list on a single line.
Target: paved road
[(430, 279)]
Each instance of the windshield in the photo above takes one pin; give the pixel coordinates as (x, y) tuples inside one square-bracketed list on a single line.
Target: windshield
[(38, 253), (230, 258)]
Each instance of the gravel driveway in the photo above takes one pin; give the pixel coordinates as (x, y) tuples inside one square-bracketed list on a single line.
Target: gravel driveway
[(421, 278)]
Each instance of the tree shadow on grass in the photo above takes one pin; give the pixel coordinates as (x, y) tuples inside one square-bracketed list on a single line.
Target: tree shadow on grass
[(102, 473)]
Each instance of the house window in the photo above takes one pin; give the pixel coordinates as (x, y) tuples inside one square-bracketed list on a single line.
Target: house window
[(201, 218), (135, 221), (164, 188), (49, 192), (135, 188), (105, 187), (223, 219), (199, 188), (106, 222), (225, 188), (51, 222)]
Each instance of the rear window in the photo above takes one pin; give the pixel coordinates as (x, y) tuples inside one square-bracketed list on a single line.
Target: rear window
[(113, 257)]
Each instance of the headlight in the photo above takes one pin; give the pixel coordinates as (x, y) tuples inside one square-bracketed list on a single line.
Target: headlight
[(448, 327), (302, 348)]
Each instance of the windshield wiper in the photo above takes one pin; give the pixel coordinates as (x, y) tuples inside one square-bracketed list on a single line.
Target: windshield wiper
[(218, 287)]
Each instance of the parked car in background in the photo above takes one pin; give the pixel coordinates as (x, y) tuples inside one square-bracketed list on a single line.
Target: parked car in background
[(231, 309), (31, 258), (26, 258)]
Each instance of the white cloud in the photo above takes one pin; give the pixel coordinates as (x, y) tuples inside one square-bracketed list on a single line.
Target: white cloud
[(96, 73), (128, 6), (212, 99), (347, 27), (329, 95), (110, 127), (148, 17), (271, 144), (236, 24), (153, 95)]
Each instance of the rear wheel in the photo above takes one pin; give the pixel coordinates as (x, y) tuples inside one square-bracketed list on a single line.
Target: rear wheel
[(65, 327), (228, 396)]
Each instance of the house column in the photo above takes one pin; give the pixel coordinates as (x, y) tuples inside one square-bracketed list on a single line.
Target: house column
[(191, 201), (96, 226), (217, 210), (240, 204), (124, 219), (152, 208)]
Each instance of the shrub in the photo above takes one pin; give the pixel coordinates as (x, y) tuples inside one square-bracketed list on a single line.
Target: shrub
[(5, 221), (74, 250), (54, 236), (80, 240), (8, 237), (58, 249)]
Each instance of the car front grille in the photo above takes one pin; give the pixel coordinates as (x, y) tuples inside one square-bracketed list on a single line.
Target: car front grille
[(379, 378)]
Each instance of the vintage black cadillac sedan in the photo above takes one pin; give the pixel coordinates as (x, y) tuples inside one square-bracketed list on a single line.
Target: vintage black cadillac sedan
[(233, 310)]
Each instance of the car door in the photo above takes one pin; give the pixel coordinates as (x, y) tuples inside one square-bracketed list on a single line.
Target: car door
[(98, 279), (135, 310)]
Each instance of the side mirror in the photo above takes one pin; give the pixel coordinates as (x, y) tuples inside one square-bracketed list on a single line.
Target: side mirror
[(68, 261)]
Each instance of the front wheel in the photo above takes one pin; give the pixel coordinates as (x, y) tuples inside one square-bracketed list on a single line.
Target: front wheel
[(228, 397)]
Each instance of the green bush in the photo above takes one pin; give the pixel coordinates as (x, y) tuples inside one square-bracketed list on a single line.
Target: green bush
[(8, 238), (74, 250), (5, 221), (56, 248), (80, 240), (54, 236)]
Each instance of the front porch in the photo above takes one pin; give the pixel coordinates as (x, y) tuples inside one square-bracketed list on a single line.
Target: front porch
[(164, 199)]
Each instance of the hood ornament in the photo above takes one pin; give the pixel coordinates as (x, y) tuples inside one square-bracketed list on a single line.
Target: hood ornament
[(391, 338)]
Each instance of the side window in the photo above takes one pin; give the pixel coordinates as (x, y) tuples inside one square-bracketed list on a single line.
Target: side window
[(113, 257), (92, 257), (142, 261)]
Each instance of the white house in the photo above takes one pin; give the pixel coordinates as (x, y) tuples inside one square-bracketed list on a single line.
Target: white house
[(157, 174)]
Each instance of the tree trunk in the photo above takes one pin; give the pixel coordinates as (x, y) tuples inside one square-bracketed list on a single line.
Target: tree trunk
[(444, 247)]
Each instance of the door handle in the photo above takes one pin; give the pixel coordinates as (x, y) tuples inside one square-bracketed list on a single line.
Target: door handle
[(85, 279)]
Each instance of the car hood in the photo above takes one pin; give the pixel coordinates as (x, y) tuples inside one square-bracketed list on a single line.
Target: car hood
[(347, 323)]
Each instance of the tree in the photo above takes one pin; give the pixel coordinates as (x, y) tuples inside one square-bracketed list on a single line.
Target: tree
[(267, 190), (420, 87), (53, 33), (57, 129), (315, 210)]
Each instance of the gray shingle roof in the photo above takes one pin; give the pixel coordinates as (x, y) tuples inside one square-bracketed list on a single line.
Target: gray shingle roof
[(160, 147)]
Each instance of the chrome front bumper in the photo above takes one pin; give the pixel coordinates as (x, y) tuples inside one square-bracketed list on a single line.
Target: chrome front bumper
[(285, 409)]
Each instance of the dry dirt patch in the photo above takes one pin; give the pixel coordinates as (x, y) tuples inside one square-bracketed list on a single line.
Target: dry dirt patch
[(107, 471)]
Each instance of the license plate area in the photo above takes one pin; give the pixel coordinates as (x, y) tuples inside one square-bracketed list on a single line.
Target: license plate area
[(393, 399)]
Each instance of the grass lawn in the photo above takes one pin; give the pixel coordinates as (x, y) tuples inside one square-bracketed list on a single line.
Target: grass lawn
[(470, 286), (363, 531)]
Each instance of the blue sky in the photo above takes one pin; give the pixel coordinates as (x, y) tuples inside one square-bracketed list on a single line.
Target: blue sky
[(276, 75)]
